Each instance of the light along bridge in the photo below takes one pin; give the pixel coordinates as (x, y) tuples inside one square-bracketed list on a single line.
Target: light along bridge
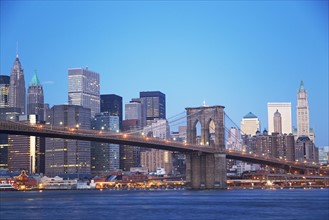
[(206, 165)]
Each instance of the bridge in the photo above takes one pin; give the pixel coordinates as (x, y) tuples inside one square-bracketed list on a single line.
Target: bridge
[(205, 164)]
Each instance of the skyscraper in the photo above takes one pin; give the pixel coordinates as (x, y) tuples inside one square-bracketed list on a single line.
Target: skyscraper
[(250, 124), (284, 108), (155, 103), (84, 89), (277, 122), (17, 87), (68, 156), (133, 110), (303, 121), (4, 91), (35, 98), (112, 104)]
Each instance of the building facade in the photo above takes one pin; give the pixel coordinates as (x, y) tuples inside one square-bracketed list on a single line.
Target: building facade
[(68, 156), (155, 105), (284, 108), (17, 92), (4, 91), (277, 119), (249, 124), (303, 118), (112, 105), (84, 89), (35, 98)]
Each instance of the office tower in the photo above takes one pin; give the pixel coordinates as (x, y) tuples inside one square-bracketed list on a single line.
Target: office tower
[(133, 110), (130, 155), (35, 98), (284, 108), (306, 150), (234, 139), (155, 105), (112, 104), (157, 158), (68, 156), (277, 121), (4, 91), (84, 89), (250, 124), (3, 151), (26, 152), (104, 156), (17, 87), (303, 121)]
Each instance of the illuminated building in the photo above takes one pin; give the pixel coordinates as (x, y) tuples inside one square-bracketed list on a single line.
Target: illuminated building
[(35, 98), (83, 89)]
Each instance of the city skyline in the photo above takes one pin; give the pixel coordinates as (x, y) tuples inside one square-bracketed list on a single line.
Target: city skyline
[(189, 51)]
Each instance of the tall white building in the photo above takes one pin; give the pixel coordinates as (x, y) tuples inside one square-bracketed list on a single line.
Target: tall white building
[(303, 117), (250, 124), (133, 110), (284, 108), (84, 89)]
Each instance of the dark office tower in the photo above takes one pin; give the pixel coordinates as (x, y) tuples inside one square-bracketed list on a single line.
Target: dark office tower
[(35, 98), (68, 156), (112, 104), (17, 87), (3, 151), (155, 103), (4, 91), (277, 122)]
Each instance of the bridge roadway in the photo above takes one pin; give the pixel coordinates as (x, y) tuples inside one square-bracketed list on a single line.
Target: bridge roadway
[(18, 128)]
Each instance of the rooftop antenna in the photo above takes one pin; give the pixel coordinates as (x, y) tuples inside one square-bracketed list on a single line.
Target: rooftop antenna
[(204, 103), (16, 49)]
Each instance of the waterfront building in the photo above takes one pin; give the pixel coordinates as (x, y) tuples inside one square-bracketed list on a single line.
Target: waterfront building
[(155, 105), (284, 109), (17, 87), (4, 91), (112, 104), (84, 89), (26, 152), (35, 98), (250, 124), (68, 156), (105, 157)]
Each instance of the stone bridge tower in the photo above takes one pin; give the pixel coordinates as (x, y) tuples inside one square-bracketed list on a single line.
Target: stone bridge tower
[(206, 171)]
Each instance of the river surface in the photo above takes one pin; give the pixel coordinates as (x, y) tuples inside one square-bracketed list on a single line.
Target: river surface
[(283, 204)]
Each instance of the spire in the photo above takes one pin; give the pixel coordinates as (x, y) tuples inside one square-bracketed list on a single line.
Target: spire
[(301, 87), (35, 81)]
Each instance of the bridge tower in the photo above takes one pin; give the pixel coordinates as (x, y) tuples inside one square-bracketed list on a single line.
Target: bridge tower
[(206, 171)]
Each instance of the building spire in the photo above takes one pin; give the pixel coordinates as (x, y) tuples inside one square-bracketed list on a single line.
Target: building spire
[(301, 87), (35, 81)]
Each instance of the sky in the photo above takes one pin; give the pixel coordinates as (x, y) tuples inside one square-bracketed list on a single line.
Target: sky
[(238, 54)]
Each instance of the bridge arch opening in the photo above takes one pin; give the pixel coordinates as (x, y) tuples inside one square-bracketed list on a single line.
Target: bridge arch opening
[(210, 133), (197, 132)]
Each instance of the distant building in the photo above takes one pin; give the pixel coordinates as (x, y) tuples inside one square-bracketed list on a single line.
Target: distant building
[(234, 139), (133, 110), (35, 98), (277, 119), (17, 90), (3, 151), (65, 156), (250, 124), (104, 156), (4, 91), (306, 150), (112, 104), (284, 109), (26, 152), (303, 117), (84, 89), (155, 103)]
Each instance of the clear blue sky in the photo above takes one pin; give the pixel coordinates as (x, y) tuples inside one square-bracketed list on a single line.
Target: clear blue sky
[(239, 54)]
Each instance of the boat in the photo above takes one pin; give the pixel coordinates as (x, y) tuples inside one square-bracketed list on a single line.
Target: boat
[(7, 187)]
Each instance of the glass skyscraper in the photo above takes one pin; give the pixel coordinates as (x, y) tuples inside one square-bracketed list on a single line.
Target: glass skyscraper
[(155, 105), (83, 89), (112, 105)]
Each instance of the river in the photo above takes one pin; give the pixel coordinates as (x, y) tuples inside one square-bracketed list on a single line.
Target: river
[(282, 204)]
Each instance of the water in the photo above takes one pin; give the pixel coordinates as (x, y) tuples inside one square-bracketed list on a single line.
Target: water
[(225, 204)]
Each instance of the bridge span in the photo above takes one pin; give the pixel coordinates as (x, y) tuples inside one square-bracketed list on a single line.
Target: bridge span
[(40, 130)]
